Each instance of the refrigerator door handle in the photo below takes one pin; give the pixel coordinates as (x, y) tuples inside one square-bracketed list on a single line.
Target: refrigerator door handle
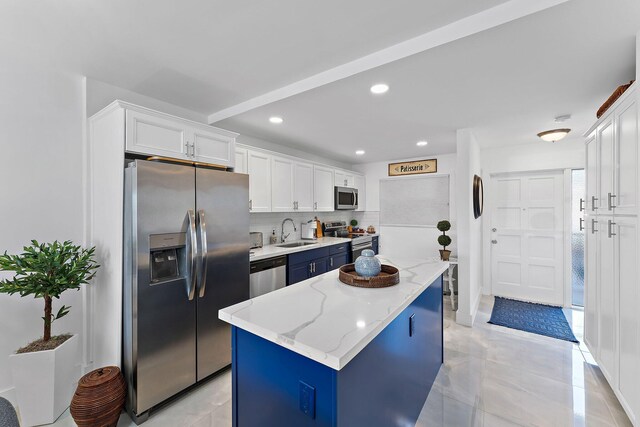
[(202, 230), (192, 253)]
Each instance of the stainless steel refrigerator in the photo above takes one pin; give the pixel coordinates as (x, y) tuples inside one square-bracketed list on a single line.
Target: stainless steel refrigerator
[(186, 255)]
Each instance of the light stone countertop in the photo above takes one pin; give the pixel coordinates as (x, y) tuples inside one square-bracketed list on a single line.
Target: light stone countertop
[(327, 321), (271, 251)]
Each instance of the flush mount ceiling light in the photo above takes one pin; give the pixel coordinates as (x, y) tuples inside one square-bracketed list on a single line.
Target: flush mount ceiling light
[(360, 152), (276, 120), (553, 135), (379, 88), (421, 143)]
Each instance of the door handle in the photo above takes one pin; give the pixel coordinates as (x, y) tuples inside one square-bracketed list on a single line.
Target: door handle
[(412, 324), (202, 229), (581, 204), (593, 226), (314, 267), (610, 198), (494, 242), (593, 203), (192, 253), (250, 204), (315, 206), (310, 268), (581, 224), (355, 198), (331, 261), (610, 232)]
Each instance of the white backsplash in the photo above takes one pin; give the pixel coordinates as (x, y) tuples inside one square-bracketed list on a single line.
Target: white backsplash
[(267, 222)]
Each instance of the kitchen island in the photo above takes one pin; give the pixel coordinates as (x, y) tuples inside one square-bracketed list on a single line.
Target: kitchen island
[(321, 353)]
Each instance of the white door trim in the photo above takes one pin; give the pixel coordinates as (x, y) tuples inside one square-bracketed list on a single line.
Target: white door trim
[(489, 204)]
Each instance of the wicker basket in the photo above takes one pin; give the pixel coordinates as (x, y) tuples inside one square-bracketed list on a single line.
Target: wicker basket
[(388, 276), (613, 98), (99, 398)]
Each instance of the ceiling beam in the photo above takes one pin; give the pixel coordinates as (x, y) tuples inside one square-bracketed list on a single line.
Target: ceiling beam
[(489, 18)]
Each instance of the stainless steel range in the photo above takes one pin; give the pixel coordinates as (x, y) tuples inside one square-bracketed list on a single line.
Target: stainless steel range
[(359, 242)]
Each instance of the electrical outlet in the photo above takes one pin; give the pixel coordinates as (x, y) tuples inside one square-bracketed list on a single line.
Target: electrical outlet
[(308, 400)]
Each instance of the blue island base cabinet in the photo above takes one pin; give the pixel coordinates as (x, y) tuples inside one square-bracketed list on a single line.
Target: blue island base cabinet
[(386, 384)]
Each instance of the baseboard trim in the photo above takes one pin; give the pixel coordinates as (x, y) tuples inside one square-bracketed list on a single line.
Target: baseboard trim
[(467, 319), (10, 395)]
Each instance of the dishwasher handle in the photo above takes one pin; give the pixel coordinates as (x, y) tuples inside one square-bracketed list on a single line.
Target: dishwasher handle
[(267, 264)]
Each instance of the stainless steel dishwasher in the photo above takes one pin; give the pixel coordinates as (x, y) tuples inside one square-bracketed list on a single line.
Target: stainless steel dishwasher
[(267, 275)]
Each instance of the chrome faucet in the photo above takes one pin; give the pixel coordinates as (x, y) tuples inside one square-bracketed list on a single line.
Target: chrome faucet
[(283, 237)]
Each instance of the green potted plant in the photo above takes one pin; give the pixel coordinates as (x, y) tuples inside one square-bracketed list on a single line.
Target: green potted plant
[(354, 225), (46, 370), (444, 240)]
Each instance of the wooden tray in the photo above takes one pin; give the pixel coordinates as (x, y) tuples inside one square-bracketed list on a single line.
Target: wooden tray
[(389, 276)]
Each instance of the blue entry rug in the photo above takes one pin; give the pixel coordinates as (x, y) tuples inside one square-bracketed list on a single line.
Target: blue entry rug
[(536, 318)]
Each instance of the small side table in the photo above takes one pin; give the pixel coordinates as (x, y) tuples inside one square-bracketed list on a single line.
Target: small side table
[(449, 284)]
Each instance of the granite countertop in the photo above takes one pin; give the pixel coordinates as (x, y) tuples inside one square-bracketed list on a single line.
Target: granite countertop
[(271, 251), (327, 321)]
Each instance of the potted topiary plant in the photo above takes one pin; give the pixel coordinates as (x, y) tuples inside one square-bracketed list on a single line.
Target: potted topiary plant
[(45, 371), (444, 240)]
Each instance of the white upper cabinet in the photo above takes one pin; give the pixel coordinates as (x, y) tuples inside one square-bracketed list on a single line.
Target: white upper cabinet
[(590, 203), (259, 168), (241, 160), (323, 189), (605, 132), (156, 135), (303, 186), (344, 179), (625, 197), (212, 147), (359, 184), (153, 133), (282, 185)]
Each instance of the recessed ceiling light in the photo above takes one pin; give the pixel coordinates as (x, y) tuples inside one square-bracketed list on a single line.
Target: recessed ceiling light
[(361, 324), (421, 143), (276, 120), (379, 88), (360, 152), (554, 134)]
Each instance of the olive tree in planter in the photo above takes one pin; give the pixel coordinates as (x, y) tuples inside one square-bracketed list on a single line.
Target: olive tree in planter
[(444, 240), (45, 371)]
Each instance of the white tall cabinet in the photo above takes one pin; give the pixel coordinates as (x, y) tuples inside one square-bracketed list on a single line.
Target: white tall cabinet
[(612, 257)]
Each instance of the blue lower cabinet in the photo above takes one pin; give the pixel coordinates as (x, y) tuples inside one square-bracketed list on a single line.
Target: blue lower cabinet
[(375, 245), (337, 261), (310, 263), (386, 384)]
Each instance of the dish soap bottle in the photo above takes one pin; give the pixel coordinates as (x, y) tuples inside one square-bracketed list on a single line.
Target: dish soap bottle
[(273, 239)]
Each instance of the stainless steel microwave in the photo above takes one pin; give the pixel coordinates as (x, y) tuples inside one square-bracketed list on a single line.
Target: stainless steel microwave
[(346, 198)]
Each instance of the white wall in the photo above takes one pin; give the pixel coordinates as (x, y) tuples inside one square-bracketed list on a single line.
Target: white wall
[(41, 170), (407, 241), (540, 156), (470, 258)]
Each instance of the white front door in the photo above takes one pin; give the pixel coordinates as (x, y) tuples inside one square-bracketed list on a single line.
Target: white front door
[(527, 223)]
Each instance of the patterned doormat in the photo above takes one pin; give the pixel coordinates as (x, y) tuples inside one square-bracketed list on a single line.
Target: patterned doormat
[(539, 319)]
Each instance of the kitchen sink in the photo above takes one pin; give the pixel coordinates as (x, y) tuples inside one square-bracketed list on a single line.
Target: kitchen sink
[(296, 244)]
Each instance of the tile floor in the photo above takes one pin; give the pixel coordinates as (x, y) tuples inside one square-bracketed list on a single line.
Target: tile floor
[(492, 376)]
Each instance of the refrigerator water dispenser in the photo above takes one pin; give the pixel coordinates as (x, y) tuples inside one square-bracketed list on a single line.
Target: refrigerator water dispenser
[(168, 256)]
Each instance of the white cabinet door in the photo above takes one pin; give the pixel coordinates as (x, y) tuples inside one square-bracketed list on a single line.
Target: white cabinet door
[(259, 167), (344, 179), (359, 183), (212, 147), (303, 186), (322, 189), (153, 135), (626, 152), (629, 299), (241, 160), (590, 202), (607, 309), (281, 185), (605, 167), (591, 284)]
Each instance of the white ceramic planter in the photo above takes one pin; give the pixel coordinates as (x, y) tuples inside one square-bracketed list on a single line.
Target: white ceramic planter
[(45, 382)]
